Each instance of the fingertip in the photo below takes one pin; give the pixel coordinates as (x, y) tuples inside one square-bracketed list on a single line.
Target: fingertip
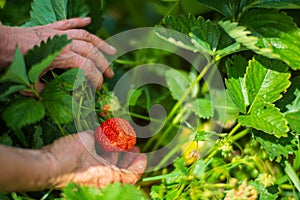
[(112, 49), (139, 164), (109, 73)]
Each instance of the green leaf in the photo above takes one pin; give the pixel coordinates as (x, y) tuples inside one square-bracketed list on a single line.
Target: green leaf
[(200, 167), (293, 113), (23, 112), (12, 89), (229, 8), (16, 73), (278, 4), (265, 80), (49, 11), (176, 38), (133, 96), (77, 8), (59, 106), (95, 12), (226, 111), (202, 108), (246, 38), (267, 23), (275, 147), (236, 88), (73, 191), (292, 175), (37, 137), (46, 12), (177, 83), (67, 81), (40, 57), (6, 140), (232, 8), (267, 118), (263, 192), (204, 35), (277, 32)]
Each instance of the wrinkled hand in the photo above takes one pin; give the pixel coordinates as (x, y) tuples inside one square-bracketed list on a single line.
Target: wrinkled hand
[(74, 159), (85, 51)]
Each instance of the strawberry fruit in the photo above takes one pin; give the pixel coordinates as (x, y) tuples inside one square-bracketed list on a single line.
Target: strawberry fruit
[(115, 135)]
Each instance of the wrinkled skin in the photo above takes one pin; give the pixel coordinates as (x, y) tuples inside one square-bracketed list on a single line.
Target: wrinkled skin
[(76, 160), (72, 158), (85, 51)]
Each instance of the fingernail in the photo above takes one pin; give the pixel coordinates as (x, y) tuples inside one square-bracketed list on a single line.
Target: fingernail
[(112, 48), (87, 19)]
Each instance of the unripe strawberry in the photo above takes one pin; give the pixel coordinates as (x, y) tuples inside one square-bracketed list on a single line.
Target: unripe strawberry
[(107, 103), (105, 110), (115, 134)]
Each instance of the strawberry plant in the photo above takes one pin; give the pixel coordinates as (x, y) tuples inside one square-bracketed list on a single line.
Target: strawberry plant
[(230, 127)]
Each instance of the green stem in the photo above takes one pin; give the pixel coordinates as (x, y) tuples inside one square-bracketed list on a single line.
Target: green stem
[(187, 92), (169, 11), (234, 130), (180, 101), (240, 134), (125, 62)]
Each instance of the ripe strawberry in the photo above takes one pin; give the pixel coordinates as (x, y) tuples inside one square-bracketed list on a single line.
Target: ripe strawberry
[(115, 134)]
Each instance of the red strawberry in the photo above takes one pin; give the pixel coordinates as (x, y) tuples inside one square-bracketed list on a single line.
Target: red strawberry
[(115, 134)]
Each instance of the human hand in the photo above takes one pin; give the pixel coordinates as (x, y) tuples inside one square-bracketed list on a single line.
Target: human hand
[(74, 159), (85, 51)]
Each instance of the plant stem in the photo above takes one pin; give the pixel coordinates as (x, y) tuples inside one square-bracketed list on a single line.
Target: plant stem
[(237, 126), (240, 134), (180, 101)]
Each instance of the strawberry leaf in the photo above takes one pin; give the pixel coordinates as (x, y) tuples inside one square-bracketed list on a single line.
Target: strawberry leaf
[(231, 8), (59, 106), (203, 35), (276, 32), (265, 80), (16, 73), (67, 81), (278, 4), (293, 113), (112, 191), (49, 11), (275, 147), (266, 118), (40, 57), (226, 111), (12, 89), (246, 38), (202, 108), (23, 112), (228, 8), (177, 82), (46, 12), (236, 88)]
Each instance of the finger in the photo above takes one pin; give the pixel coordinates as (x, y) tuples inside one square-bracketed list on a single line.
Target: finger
[(72, 60), (134, 171), (111, 157), (91, 72), (129, 157), (70, 23), (89, 51), (80, 34)]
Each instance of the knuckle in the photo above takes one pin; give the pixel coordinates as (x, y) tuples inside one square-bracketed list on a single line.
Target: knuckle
[(84, 34)]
